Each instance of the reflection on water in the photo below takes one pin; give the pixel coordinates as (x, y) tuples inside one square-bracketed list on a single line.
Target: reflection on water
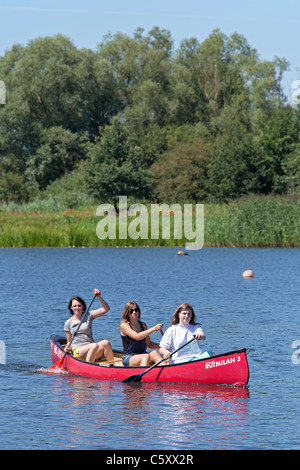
[(59, 411), (182, 416)]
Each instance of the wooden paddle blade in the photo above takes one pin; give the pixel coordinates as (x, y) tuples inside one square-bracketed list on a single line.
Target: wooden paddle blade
[(133, 378)]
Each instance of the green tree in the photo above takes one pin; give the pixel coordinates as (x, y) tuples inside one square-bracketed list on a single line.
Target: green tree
[(142, 67), (180, 174), (278, 142), (211, 118), (114, 168), (52, 84), (59, 153), (207, 75), (232, 168), (291, 170), (56, 84), (12, 187)]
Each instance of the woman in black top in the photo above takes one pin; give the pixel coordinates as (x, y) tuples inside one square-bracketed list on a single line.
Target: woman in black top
[(136, 338)]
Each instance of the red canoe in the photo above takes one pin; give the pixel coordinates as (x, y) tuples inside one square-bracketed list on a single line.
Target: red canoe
[(222, 369)]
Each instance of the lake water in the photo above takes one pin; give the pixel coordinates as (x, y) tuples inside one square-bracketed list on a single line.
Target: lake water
[(51, 411)]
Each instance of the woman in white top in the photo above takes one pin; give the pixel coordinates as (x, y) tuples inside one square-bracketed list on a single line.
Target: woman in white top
[(182, 330)]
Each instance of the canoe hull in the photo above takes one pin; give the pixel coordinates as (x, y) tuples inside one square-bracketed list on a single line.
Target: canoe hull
[(224, 369)]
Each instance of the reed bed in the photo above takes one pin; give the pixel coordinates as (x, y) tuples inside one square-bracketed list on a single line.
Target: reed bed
[(251, 222), (255, 222)]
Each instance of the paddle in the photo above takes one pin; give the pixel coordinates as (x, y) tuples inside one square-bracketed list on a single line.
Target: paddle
[(58, 364), (137, 378)]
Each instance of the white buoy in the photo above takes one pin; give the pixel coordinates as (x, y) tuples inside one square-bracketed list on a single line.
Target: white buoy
[(248, 273)]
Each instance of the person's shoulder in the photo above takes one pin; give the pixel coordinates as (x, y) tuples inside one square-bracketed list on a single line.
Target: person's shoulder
[(171, 328), (89, 315), (68, 323), (195, 327)]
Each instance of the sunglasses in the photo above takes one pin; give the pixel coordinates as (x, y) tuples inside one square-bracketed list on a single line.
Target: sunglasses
[(134, 310)]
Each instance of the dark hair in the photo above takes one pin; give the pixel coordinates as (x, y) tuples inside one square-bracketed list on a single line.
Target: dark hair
[(175, 318), (79, 299), (127, 309)]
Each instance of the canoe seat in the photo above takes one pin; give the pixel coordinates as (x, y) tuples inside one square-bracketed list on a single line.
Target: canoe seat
[(115, 362)]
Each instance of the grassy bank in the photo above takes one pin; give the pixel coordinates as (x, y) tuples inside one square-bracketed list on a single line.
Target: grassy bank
[(252, 222)]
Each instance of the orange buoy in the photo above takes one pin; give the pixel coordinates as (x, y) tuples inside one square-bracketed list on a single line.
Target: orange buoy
[(248, 273)]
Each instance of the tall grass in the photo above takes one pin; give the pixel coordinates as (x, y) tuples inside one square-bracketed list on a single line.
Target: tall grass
[(261, 222), (251, 222)]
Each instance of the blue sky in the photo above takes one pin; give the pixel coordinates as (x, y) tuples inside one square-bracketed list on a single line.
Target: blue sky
[(269, 26)]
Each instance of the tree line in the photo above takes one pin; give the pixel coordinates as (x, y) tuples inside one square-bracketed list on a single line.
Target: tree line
[(205, 122)]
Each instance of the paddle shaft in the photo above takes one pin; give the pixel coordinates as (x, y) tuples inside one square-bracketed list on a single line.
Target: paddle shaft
[(77, 329), (136, 378)]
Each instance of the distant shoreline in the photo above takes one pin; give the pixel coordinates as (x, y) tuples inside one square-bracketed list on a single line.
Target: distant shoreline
[(272, 221)]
